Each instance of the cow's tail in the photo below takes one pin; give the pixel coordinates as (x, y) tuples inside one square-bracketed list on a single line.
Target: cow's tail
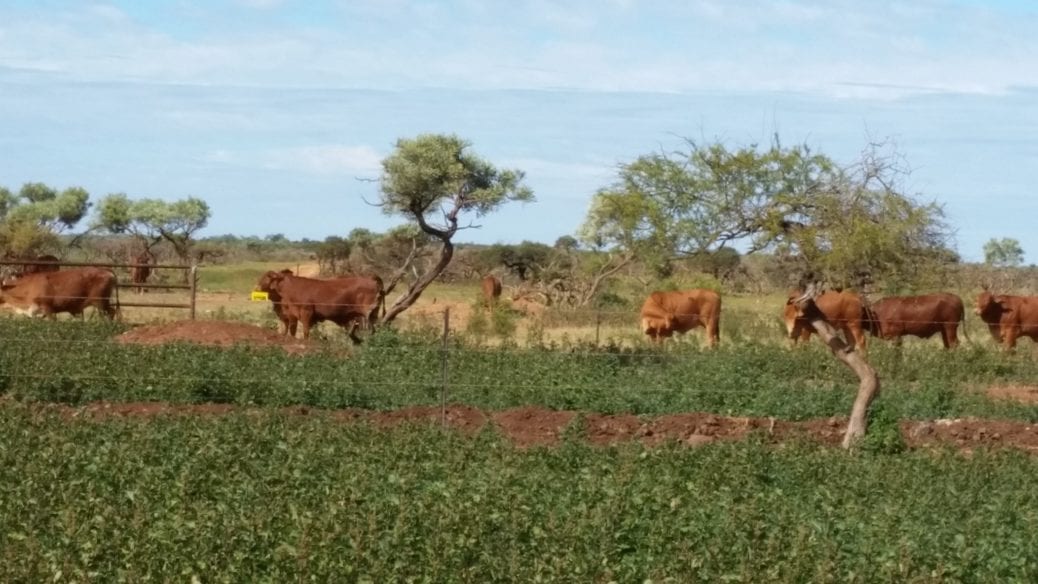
[(962, 322)]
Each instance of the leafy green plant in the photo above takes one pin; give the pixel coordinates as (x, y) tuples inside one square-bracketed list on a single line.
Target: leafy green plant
[(273, 497)]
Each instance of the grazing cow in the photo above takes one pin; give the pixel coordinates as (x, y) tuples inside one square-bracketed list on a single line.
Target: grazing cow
[(72, 291), (843, 310), (140, 272), (344, 301), (922, 316), (1009, 317), (491, 290), (666, 313)]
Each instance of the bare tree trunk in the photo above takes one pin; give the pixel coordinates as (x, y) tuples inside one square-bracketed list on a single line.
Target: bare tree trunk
[(601, 277), (414, 291), (868, 388)]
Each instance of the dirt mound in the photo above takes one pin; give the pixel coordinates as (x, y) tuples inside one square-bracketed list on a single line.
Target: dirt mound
[(208, 332), (1027, 394), (530, 426), (697, 428), (465, 418), (967, 433), (535, 426)]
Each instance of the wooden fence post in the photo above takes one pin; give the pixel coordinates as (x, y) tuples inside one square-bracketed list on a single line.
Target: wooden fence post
[(194, 288), (445, 350)]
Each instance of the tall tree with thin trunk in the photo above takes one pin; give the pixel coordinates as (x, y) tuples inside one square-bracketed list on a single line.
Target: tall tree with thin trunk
[(435, 181), (154, 220)]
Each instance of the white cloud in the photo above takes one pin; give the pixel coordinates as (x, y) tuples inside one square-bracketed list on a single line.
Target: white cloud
[(328, 159), (679, 46), (320, 160)]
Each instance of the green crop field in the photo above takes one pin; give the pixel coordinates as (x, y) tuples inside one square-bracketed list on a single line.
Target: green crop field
[(272, 498), (267, 495), (78, 362)]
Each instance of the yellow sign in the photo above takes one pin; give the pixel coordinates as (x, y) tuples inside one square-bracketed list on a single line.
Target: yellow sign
[(258, 296)]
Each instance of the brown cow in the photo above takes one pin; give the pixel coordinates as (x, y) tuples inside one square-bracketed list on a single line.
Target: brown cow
[(288, 323), (72, 291), (922, 316), (843, 310), (1008, 317), (140, 272), (666, 313), (344, 301), (491, 290)]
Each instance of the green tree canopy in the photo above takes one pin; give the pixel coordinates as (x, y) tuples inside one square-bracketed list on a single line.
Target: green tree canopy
[(847, 224), (154, 220), (1003, 253), (435, 181), (32, 219), (525, 260)]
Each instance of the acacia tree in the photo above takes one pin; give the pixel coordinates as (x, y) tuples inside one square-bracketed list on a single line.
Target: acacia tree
[(33, 219), (151, 221), (435, 181), (847, 224)]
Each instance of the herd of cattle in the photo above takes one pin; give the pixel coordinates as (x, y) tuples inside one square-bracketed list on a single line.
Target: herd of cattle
[(1007, 317), (354, 302)]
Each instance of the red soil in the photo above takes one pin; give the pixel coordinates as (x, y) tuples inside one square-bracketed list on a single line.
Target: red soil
[(533, 426), (209, 332)]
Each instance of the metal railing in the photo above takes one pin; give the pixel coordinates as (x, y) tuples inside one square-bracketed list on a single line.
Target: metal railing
[(191, 273)]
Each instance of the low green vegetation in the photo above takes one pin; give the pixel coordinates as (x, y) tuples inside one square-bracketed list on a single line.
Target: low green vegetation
[(268, 497), (77, 362), (240, 278)]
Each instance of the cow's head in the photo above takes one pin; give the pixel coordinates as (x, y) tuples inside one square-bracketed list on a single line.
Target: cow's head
[(790, 313), (657, 327), (990, 307), (271, 281)]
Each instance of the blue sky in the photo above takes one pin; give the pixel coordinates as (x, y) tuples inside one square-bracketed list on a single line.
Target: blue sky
[(272, 110)]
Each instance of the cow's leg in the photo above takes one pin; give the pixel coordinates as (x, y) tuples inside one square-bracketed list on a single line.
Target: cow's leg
[(106, 308), (713, 332), (306, 318), (948, 337), (856, 335), (1009, 338), (354, 325)]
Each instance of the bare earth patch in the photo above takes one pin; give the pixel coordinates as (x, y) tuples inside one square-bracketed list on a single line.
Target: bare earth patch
[(533, 426), (1027, 394), (969, 433), (216, 333)]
